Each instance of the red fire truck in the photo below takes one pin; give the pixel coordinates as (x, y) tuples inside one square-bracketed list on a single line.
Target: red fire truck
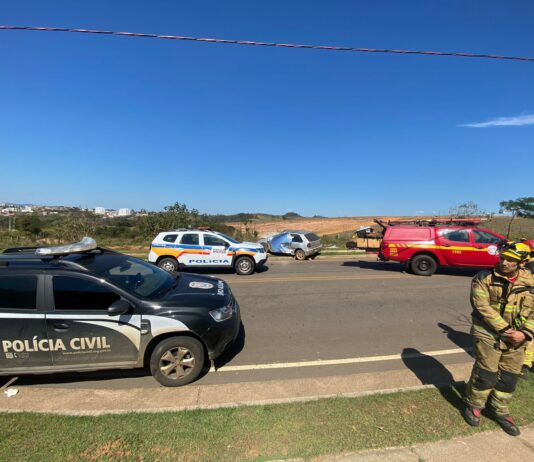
[(425, 245)]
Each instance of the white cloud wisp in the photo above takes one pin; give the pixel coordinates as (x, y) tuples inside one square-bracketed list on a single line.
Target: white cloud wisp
[(517, 121)]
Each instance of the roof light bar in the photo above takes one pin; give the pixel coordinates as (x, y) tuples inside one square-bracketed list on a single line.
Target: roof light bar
[(86, 244)]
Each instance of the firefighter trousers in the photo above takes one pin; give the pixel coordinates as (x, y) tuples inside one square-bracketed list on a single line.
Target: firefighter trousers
[(495, 374), (529, 354)]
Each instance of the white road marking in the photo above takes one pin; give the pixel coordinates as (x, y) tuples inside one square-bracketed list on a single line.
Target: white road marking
[(335, 362)]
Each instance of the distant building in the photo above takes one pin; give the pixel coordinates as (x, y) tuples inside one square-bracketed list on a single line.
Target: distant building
[(100, 211), (124, 212)]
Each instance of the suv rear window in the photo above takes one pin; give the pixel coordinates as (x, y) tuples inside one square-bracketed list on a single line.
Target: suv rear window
[(190, 239), (312, 237), (170, 237), (18, 292)]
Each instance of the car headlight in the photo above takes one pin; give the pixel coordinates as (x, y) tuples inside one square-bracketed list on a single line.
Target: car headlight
[(223, 313)]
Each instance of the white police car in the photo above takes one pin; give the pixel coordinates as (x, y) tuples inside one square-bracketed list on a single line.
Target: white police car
[(81, 307), (185, 248)]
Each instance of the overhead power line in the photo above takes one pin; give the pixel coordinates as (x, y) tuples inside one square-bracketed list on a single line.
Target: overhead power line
[(268, 44)]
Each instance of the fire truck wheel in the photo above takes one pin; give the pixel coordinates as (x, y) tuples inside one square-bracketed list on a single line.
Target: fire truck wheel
[(424, 265)]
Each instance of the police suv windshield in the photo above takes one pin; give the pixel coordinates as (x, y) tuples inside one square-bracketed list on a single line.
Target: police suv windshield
[(228, 238), (128, 273)]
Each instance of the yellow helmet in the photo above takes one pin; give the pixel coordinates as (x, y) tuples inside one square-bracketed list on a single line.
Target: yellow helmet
[(516, 250)]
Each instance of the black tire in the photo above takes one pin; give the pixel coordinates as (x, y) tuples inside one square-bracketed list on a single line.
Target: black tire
[(244, 266), (423, 265), (300, 255), (177, 361), (169, 264)]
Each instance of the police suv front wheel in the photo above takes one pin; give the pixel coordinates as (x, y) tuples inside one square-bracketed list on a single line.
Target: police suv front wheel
[(168, 264), (244, 266), (177, 361)]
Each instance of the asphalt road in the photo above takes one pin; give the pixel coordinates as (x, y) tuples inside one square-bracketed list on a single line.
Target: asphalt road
[(326, 318)]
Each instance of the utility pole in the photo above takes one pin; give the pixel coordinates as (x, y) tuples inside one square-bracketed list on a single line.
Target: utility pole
[(11, 222)]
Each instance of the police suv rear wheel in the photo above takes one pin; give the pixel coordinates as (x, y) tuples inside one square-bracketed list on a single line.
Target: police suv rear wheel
[(177, 361), (244, 266), (300, 255), (168, 264), (424, 265)]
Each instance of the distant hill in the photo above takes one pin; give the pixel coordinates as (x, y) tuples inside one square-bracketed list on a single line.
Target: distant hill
[(253, 217)]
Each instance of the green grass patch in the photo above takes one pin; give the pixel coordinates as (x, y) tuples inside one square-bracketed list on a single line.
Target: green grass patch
[(250, 433)]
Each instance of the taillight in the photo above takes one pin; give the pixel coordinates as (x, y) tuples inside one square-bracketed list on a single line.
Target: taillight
[(309, 245)]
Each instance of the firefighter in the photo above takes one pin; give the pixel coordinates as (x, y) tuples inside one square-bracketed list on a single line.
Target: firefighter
[(529, 354), (527, 363), (503, 323)]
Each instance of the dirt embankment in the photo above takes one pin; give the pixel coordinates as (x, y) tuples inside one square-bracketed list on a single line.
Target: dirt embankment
[(320, 226)]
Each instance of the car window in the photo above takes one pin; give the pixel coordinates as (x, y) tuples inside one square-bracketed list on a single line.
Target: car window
[(483, 237), (455, 235), (228, 238), (72, 293), (312, 237), (213, 240), (170, 237), (296, 238), (190, 239), (18, 292)]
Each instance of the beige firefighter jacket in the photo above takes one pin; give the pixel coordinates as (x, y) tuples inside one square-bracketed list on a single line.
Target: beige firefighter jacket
[(494, 311)]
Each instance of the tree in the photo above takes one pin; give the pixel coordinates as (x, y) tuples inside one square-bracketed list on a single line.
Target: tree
[(468, 209), (30, 224), (75, 226), (522, 207)]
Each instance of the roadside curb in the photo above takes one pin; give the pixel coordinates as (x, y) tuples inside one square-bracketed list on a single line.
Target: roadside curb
[(96, 402), (488, 446)]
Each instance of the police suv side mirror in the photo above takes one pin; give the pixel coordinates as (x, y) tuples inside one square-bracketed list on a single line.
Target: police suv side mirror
[(226, 244), (119, 307)]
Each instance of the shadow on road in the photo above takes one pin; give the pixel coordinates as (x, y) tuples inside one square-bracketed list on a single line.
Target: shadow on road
[(401, 267), (80, 377), (431, 372), (460, 338), (377, 265), (208, 270), (233, 350)]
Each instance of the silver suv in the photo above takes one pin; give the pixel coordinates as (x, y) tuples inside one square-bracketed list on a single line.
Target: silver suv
[(298, 243)]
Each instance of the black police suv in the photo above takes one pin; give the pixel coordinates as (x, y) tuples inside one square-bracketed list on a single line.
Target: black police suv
[(80, 307)]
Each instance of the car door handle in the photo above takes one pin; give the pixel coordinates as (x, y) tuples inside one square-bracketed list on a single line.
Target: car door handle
[(446, 245), (478, 247), (61, 326)]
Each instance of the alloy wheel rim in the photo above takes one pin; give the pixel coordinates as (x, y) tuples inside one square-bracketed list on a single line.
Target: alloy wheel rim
[(168, 266), (177, 362)]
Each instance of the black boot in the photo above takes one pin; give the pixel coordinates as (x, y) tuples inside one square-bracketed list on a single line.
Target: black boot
[(472, 416), (507, 424), (525, 373)]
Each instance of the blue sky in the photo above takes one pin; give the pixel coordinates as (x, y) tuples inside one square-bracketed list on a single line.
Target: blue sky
[(122, 122)]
